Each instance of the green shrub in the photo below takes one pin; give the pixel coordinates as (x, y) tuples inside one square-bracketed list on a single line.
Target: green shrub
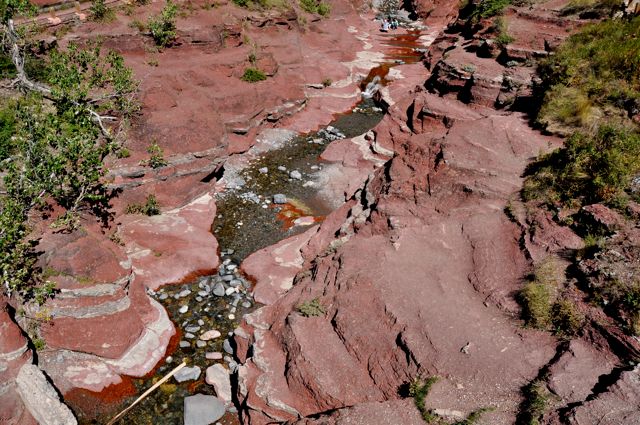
[(100, 11), (565, 319), (156, 160), (536, 398), (504, 39), (327, 82), (311, 308), (163, 27), (589, 169), (39, 344), (594, 70), (150, 207), (324, 9), (315, 6), (536, 300), (7, 131), (253, 75), (419, 389), (474, 416), (489, 8)]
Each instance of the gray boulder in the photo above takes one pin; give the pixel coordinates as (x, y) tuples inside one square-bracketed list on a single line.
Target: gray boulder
[(41, 399), (202, 409)]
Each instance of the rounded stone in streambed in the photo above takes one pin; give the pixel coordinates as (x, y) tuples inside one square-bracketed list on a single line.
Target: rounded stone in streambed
[(187, 374), (202, 409)]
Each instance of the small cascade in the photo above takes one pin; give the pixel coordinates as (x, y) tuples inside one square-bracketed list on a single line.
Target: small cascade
[(372, 88)]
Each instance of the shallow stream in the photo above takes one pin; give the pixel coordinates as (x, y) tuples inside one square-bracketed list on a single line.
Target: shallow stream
[(250, 216)]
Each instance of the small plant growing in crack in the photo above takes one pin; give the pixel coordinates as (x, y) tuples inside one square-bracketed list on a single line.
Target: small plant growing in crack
[(311, 308)]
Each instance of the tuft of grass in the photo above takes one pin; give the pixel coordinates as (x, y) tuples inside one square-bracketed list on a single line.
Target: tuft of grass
[(536, 398), (536, 300), (500, 27), (591, 8), (474, 416), (253, 75), (123, 153), (138, 24), (597, 68), (565, 319), (150, 207), (419, 389), (311, 308)]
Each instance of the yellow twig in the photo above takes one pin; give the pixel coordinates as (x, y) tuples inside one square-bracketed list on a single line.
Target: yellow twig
[(146, 393)]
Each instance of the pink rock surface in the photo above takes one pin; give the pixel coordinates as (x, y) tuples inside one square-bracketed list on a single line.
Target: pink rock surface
[(173, 246), (274, 267), (410, 287), (13, 354)]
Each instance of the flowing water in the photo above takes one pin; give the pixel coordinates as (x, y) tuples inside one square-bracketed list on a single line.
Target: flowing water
[(248, 219)]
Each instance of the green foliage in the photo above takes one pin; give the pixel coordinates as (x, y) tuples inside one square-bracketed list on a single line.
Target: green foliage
[(11, 8), (538, 295), (100, 11), (589, 169), (39, 344), (54, 152), (565, 319), (156, 160), (253, 75), (595, 70), (504, 39), (489, 8), (315, 6), (474, 416), (621, 299), (150, 207), (327, 82), (536, 398), (311, 308), (163, 27), (419, 389), (7, 130), (535, 299)]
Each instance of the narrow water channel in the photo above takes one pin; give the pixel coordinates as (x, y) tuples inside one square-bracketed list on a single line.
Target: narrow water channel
[(277, 197)]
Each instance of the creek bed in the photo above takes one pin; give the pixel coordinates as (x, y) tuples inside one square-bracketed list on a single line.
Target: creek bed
[(247, 220)]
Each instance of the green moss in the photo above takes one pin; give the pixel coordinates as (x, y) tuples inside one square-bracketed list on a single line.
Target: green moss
[(253, 75)]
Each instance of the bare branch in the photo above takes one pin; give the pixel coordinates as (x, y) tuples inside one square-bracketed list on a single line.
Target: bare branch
[(18, 61)]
